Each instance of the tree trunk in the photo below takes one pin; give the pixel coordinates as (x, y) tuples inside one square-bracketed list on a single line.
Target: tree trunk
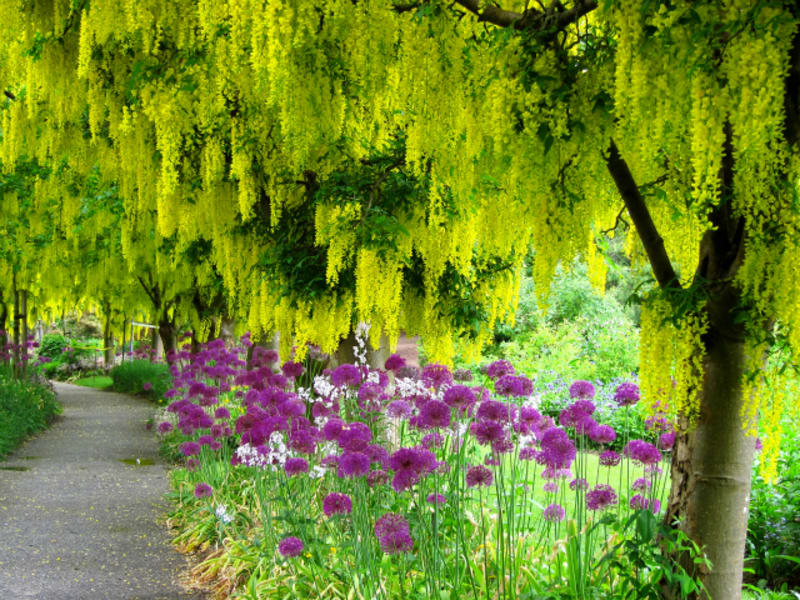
[(376, 358), (108, 343), (3, 332), (227, 326), (168, 337), (17, 317)]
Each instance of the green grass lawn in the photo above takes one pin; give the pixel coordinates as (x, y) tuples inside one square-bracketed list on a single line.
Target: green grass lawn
[(99, 382)]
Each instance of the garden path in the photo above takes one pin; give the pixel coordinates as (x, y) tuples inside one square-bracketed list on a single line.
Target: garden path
[(78, 523)]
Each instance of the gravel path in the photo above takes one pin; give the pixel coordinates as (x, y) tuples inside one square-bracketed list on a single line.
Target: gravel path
[(76, 523)]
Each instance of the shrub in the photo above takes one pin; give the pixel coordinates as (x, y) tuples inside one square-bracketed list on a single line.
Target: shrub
[(133, 378), (26, 407), (773, 532), (53, 344)]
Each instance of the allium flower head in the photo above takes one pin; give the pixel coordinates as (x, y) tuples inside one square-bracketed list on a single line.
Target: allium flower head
[(291, 547), (295, 466), (346, 375), (353, 464), (202, 490), (377, 477), (394, 363), (626, 394), (494, 410), (436, 375), (642, 484), (609, 458), (292, 369), (510, 385), (487, 432), (479, 475), (399, 409), (462, 375), (337, 504), (558, 451), (642, 452), (551, 487), (436, 499), (499, 368), (639, 502), (393, 533), (600, 497), (222, 413), (554, 513), (434, 413), (147, 386), (355, 436), (667, 440), (190, 448), (580, 484), (603, 434), (581, 389), (165, 427), (459, 397), (432, 440)]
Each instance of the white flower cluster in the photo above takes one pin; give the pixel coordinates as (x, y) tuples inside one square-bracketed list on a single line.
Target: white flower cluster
[(222, 514), (327, 393), (360, 349), (407, 387), (250, 456)]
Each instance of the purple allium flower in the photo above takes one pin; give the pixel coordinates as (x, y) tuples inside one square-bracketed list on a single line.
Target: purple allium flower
[(192, 464), (165, 427), (291, 547), (527, 454), (332, 429), (337, 504), (626, 394), (190, 448), (509, 385), (585, 426), (377, 477), (355, 436), (600, 496), (346, 375), (393, 533), (603, 434), (642, 452), (215, 445), (487, 432), (408, 372), (417, 460), (201, 490), (642, 484), (558, 451), (499, 368), (353, 464), (222, 413), (479, 475), (459, 397), (609, 458), (494, 410), (432, 440), (579, 483), (377, 454), (551, 487), (759, 445), (295, 466), (436, 499), (292, 369), (491, 461), (667, 440), (303, 440), (435, 375), (554, 513), (462, 375), (404, 479), (656, 423), (399, 409), (394, 363), (434, 414), (581, 389), (205, 440), (639, 502), (147, 386)]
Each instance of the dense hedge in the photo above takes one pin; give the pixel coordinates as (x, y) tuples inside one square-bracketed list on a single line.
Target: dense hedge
[(143, 378), (26, 407)]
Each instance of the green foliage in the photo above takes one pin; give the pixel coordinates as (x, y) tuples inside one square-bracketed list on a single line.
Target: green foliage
[(26, 407), (52, 345), (131, 377), (773, 534), (99, 382)]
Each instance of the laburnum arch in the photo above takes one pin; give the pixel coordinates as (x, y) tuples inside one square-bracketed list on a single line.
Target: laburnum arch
[(278, 135)]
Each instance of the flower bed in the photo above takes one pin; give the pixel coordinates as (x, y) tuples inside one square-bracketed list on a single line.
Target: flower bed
[(403, 484)]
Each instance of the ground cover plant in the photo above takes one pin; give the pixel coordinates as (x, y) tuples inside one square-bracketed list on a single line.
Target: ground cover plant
[(398, 483), (26, 407)]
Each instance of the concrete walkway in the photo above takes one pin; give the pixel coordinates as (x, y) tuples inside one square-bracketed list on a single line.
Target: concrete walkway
[(76, 523)]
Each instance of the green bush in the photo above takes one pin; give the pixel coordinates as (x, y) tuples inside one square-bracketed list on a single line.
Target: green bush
[(773, 531), (53, 344), (132, 377), (26, 407)]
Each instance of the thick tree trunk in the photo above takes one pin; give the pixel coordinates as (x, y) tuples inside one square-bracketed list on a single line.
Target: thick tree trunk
[(168, 336), (227, 325), (346, 352)]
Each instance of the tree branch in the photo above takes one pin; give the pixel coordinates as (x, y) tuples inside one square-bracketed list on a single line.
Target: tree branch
[(555, 16), (637, 209)]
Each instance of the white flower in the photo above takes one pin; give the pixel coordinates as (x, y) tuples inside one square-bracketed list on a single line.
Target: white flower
[(222, 514)]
